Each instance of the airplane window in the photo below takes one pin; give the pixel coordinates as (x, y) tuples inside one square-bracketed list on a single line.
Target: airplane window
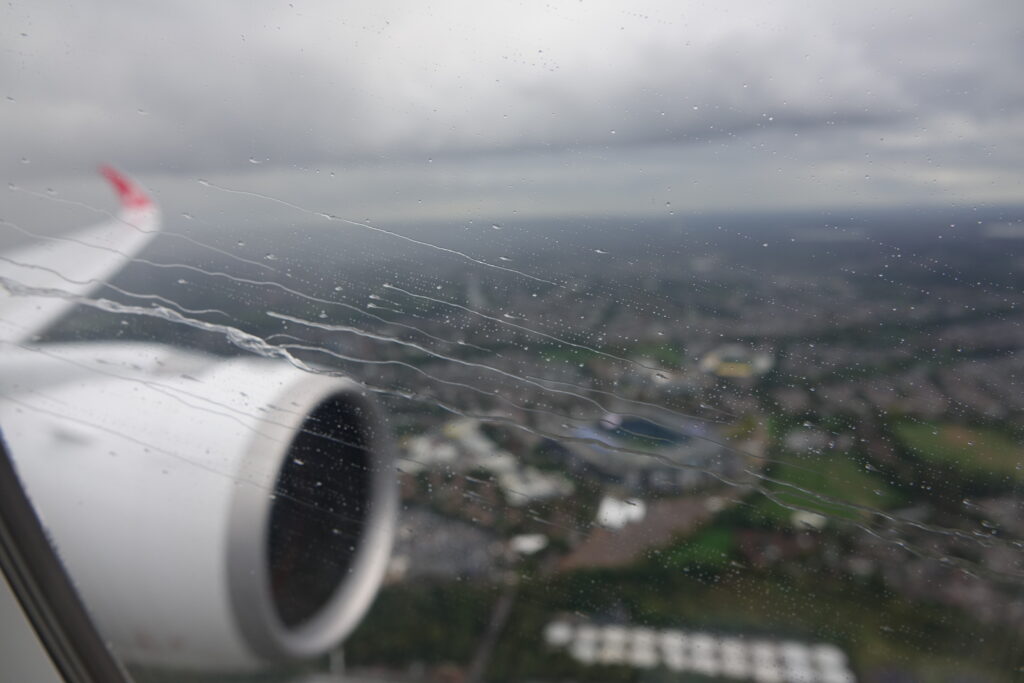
[(563, 341)]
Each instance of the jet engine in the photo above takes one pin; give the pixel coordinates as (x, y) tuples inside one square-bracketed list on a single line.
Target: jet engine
[(214, 513)]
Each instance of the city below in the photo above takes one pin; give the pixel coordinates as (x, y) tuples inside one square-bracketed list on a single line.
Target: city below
[(778, 449)]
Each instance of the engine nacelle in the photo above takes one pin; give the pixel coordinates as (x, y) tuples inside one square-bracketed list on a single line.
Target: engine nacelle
[(213, 513)]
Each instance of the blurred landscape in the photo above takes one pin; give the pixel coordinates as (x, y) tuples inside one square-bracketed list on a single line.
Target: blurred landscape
[(699, 327), (717, 447)]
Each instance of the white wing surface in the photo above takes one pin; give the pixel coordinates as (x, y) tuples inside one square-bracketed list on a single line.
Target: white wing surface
[(75, 264)]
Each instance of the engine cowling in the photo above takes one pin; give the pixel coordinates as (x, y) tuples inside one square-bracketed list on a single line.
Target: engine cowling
[(214, 513)]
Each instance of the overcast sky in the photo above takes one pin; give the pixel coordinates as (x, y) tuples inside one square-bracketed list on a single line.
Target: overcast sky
[(484, 110)]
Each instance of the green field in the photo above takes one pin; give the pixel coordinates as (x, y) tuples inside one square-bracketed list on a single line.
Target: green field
[(836, 477), (438, 622), (879, 631), (711, 546), (972, 450)]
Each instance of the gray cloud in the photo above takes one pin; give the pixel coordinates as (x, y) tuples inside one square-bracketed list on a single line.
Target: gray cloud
[(255, 89)]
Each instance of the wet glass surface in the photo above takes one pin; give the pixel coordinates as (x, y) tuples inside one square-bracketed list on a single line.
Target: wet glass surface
[(681, 342)]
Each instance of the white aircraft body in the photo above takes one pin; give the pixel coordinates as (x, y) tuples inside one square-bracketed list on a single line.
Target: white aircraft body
[(216, 514)]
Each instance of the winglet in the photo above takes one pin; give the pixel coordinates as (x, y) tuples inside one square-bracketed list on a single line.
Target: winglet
[(131, 195), (40, 282)]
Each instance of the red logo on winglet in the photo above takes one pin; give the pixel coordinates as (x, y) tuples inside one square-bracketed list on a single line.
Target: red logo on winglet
[(131, 195)]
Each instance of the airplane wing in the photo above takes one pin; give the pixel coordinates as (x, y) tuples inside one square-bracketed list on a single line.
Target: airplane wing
[(76, 264)]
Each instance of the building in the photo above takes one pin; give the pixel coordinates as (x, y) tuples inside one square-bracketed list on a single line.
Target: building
[(736, 361), (647, 456), (732, 656)]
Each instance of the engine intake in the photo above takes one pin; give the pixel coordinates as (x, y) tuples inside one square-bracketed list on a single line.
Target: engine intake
[(214, 514), (318, 517)]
